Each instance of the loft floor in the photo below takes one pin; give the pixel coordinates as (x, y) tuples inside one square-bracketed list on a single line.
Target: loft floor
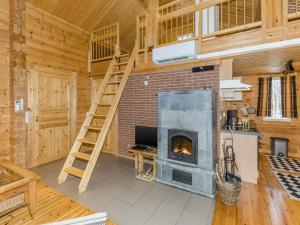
[(128, 201)]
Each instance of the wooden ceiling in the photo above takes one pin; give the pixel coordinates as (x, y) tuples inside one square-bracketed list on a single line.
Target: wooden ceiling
[(91, 14), (266, 62)]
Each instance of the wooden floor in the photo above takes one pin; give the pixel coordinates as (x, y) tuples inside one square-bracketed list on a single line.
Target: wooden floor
[(264, 204), (51, 206)]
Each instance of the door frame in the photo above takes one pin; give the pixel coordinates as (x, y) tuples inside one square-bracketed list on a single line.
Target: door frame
[(33, 144)]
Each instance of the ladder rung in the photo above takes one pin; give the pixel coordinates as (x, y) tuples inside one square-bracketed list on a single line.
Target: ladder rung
[(98, 115), (113, 82), (121, 64), (118, 72), (109, 93), (74, 171), (104, 104), (92, 128), (124, 55), (81, 155), (86, 141)]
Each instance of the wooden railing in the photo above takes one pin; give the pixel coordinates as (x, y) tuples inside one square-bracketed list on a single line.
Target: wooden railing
[(176, 22), (293, 9), (141, 31), (231, 16), (184, 20), (105, 42)]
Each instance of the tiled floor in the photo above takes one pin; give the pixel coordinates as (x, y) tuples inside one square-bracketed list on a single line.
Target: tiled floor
[(114, 189)]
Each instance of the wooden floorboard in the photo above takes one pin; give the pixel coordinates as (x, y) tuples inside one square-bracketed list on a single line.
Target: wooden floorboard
[(51, 206), (266, 203)]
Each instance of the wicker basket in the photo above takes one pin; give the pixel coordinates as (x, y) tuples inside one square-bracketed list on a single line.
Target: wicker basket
[(229, 192)]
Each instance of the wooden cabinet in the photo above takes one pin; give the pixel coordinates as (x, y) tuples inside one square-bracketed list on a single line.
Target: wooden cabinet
[(245, 145)]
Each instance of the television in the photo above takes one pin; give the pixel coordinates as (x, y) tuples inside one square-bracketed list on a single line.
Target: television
[(146, 136)]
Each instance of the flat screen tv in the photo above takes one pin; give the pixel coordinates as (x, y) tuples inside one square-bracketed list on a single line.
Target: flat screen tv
[(146, 136)]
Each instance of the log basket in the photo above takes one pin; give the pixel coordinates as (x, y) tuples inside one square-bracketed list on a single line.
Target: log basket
[(229, 190)]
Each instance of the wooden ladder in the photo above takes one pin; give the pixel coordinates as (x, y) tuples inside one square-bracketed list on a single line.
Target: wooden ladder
[(77, 152)]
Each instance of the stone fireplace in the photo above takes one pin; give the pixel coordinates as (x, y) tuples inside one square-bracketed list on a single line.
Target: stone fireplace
[(186, 140)]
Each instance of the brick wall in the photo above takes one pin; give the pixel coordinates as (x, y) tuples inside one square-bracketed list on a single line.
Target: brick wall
[(138, 105)]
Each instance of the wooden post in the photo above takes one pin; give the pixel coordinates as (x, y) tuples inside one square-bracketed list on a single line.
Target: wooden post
[(200, 8), (285, 18), (263, 19), (151, 26)]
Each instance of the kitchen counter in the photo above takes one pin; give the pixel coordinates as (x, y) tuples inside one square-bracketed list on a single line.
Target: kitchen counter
[(245, 146), (251, 131)]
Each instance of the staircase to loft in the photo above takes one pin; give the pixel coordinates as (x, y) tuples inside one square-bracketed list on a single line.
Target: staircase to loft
[(91, 137)]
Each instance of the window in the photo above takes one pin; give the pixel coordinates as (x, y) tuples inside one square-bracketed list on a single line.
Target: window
[(276, 99)]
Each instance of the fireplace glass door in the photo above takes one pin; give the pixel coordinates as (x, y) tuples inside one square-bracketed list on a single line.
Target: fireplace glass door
[(182, 146)]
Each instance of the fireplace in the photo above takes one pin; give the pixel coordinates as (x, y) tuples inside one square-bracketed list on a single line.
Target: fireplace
[(186, 143), (182, 146)]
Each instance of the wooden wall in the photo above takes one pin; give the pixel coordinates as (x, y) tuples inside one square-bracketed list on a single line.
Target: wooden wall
[(4, 78), (290, 131), (57, 46)]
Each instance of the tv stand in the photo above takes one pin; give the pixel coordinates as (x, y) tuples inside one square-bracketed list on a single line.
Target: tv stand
[(139, 158)]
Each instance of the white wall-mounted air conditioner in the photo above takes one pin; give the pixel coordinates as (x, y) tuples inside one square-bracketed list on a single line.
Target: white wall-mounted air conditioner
[(176, 52)]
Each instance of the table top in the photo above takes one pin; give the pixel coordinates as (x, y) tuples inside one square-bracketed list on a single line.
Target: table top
[(143, 152)]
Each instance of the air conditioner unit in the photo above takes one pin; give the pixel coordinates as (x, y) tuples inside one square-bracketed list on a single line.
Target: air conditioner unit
[(176, 52)]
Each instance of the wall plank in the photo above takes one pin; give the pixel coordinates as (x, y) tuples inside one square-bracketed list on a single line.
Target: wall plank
[(4, 78)]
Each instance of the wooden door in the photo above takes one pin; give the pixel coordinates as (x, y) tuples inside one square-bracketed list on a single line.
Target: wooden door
[(52, 114)]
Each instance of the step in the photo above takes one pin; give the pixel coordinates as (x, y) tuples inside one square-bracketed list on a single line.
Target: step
[(118, 72), (74, 171), (92, 128), (109, 93), (124, 55), (86, 141), (114, 82), (121, 64), (81, 155), (98, 115), (104, 104)]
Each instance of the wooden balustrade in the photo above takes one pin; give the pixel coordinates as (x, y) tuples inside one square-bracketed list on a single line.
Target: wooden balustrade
[(141, 31), (231, 16), (184, 20), (176, 22), (293, 9), (105, 42)]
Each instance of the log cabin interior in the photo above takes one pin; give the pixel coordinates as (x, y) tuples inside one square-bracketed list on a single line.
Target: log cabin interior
[(149, 112)]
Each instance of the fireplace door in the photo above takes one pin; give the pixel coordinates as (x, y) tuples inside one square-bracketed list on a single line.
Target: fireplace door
[(182, 145)]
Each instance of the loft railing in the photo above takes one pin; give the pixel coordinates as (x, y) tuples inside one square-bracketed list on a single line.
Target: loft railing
[(105, 42), (141, 31), (176, 22), (184, 20), (230, 16), (293, 9)]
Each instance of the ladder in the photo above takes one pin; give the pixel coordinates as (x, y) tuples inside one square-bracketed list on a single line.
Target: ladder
[(83, 139)]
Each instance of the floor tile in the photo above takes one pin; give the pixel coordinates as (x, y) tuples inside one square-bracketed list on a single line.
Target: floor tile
[(155, 220), (178, 197), (130, 196), (115, 209), (147, 204), (168, 211), (134, 216), (191, 218), (200, 204)]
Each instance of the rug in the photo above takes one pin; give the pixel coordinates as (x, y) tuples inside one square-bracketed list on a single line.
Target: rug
[(284, 164), (291, 183)]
